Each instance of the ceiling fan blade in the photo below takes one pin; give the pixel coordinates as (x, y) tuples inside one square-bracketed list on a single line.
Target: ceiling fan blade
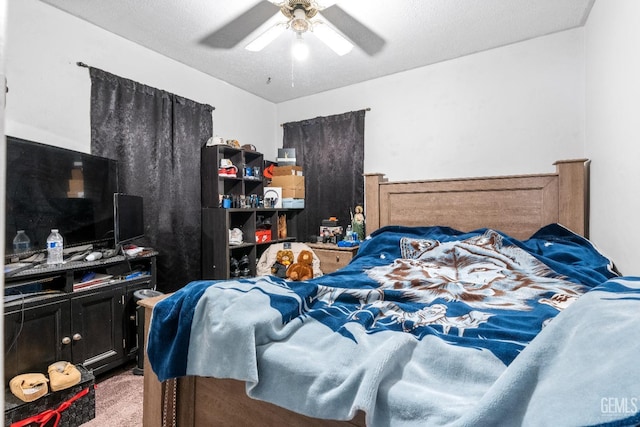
[(332, 38), (362, 36), (239, 28), (265, 38), (327, 3)]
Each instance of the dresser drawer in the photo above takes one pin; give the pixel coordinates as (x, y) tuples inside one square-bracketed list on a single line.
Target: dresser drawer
[(332, 257)]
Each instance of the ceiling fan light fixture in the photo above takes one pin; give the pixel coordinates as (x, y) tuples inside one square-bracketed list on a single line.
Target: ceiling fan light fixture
[(299, 22), (265, 38), (332, 38), (300, 50)]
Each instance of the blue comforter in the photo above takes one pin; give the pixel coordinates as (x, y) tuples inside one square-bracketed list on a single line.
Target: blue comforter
[(426, 326)]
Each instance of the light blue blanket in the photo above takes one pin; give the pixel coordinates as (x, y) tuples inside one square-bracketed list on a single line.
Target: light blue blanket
[(424, 327), (581, 370)]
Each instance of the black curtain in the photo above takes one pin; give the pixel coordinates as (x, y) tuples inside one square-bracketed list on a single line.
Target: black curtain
[(156, 138), (331, 153)]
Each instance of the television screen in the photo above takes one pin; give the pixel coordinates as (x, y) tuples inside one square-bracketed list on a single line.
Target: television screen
[(129, 218), (50, 187)]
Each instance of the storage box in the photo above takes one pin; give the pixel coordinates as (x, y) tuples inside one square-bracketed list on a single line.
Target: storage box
[(293, 193), (292, 186), (287, 170), (275, 194), (289, 203), (81, 399), (286, 156), (263, 236)]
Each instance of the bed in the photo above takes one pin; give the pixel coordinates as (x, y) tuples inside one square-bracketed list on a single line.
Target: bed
[(521, 336)]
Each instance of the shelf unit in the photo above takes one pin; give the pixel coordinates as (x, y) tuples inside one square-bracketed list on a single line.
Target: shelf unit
[(217, 221), (216, 249), (214, 186)]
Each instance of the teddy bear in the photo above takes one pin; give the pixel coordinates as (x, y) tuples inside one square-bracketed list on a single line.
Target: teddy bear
[(303, 268), (284, 258)]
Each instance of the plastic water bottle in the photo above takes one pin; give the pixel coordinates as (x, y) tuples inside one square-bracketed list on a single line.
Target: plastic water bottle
[(54, 247), (21, 243), (349, 234)]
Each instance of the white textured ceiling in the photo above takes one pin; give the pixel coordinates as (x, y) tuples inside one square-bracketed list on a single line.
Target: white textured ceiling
[(415, 33)]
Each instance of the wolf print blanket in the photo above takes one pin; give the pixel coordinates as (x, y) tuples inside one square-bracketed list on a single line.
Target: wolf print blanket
[(421, 328)]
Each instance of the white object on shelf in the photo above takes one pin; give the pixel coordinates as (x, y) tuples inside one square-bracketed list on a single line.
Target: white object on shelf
[(275, 194), (290, 203), (93, 256), (133, 251)]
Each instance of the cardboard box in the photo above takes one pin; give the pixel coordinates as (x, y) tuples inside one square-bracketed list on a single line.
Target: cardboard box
[(293, 193), (289, 203), (287, 170), (292, 186)]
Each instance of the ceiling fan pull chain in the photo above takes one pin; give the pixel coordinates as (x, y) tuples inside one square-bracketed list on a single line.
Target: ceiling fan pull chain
[(293, 61)]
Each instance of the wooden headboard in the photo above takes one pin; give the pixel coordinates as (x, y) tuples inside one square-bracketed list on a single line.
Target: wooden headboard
[(517, 205)]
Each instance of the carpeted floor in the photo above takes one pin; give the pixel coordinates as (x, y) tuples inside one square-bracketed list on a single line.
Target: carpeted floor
[(118, 400)]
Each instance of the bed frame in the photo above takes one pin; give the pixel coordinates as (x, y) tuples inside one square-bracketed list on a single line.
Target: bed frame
[(517, 205)]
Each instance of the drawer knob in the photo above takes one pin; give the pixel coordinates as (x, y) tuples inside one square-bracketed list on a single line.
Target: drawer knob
[(66, 340), (337, 258), (77, 337)]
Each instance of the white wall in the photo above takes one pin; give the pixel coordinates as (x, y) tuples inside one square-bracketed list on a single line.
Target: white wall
[(514, 109), (3, 25), (612, 132), (510, 110), (48, 99)]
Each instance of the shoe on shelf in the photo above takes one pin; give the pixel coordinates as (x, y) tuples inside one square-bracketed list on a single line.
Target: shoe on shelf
[(235, 236), (231, 172), (263, 223), (234, 268), (244, 266)]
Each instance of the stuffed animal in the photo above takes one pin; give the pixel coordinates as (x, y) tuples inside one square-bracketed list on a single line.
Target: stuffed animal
[(284, 258), (303, 269), (282, 227)]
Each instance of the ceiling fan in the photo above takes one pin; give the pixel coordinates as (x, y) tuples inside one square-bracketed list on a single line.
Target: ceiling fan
[(300, 16)]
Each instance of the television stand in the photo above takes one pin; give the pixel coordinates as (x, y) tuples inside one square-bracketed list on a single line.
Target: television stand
[(82, 312)]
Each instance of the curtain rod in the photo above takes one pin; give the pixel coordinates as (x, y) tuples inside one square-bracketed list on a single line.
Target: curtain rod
[(365, 109), (82, 64)]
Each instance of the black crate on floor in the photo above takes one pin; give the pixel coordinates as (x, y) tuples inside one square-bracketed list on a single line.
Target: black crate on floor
[(81, 410)]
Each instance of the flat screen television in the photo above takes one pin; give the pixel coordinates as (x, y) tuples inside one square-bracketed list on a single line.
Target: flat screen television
[(50, 187), (128, 218)]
